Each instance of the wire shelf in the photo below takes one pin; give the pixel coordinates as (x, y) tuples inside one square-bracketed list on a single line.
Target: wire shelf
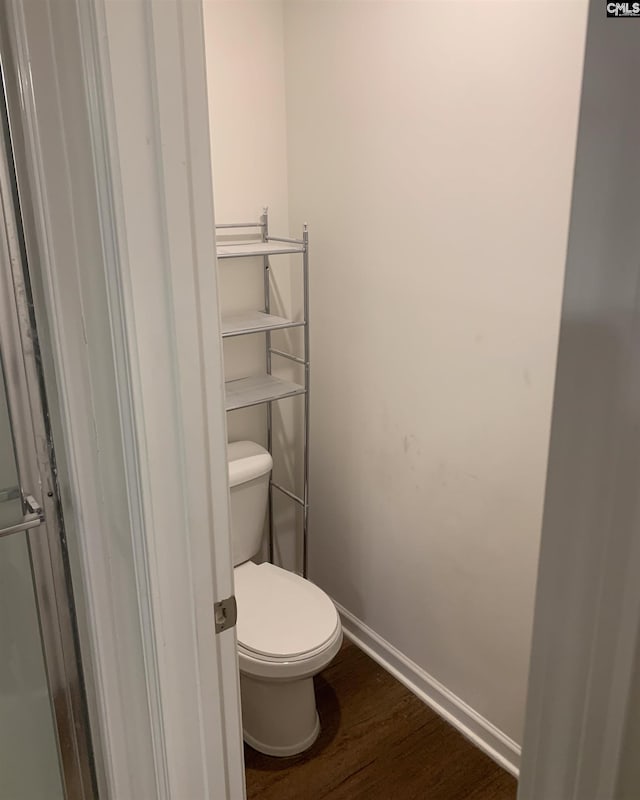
[(258, 389), (254, 322), (249, 249)]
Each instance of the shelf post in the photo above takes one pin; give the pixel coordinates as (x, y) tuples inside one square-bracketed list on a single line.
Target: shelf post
[(264, 219), (307, 376)]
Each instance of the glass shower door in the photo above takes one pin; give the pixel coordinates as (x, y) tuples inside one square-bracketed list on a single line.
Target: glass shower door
[(29, 762), (45, 744)]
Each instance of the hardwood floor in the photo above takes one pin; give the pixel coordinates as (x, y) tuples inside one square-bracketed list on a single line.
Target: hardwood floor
[(379, 742)]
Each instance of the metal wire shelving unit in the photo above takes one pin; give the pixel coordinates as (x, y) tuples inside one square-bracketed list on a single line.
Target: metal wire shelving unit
[(255, 241)]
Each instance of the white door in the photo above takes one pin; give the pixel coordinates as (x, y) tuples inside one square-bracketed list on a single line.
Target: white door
[(587, 617), (109, 109)]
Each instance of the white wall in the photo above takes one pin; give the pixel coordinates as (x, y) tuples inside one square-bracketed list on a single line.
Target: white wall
[(245, 73), (431, 149)]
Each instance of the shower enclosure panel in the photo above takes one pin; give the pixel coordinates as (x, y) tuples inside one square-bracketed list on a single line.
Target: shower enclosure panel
[(45, 748)]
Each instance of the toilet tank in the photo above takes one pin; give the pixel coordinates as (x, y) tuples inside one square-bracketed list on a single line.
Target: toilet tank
[(249, 472)]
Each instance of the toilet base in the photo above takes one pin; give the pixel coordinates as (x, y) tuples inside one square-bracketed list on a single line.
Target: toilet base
[(279, 718), (283, 752)]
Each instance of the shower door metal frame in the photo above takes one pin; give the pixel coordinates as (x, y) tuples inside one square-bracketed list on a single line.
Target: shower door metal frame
[(42, 525)]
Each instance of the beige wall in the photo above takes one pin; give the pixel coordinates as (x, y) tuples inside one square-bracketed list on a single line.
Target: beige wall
[(245, 66), (245, 73), (430, 147)]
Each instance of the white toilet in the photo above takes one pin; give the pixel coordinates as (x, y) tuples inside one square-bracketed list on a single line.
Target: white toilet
[(288, 629)]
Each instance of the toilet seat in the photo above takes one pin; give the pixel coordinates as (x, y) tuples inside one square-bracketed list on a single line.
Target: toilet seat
[(287, 627)]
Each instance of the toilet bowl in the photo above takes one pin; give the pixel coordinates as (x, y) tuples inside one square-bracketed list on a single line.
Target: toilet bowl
[(288, 629)]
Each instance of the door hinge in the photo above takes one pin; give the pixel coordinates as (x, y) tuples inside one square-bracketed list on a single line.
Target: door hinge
[(225, 613)]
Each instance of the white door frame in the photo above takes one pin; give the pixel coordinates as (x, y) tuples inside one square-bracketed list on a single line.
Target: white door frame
[(111, 113)]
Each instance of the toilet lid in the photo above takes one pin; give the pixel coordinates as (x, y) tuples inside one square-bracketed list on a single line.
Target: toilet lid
[(280, 614)]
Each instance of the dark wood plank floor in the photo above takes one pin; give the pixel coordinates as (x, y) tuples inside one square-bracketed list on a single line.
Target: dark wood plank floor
[(379, 742)]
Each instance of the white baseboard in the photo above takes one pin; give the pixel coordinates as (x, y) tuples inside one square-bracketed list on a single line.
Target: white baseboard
[(503, 750)]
